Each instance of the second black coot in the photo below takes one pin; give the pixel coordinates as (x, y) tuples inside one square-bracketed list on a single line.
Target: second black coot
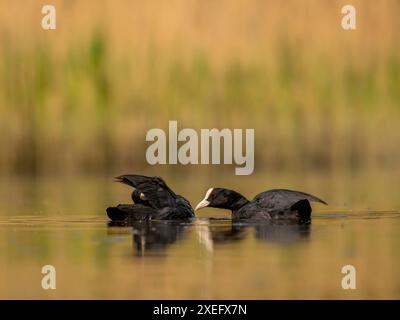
[(271, 205), (153, 199)]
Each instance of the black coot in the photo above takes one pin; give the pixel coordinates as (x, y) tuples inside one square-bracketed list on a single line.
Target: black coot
[(153, 199), (272, 204)]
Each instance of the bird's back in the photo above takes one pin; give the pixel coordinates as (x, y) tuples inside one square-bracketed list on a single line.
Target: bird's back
[(276, 203), (283, 198)]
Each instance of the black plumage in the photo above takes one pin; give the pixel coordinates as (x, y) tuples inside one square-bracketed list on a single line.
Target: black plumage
[(153, 199), (273, 204)]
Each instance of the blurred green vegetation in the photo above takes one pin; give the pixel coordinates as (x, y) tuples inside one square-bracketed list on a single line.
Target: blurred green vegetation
[(86, 105)]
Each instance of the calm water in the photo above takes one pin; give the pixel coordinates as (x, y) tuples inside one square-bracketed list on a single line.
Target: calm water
[(63, 223)]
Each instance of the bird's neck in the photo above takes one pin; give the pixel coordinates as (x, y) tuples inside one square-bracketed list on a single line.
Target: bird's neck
[(238, 202)]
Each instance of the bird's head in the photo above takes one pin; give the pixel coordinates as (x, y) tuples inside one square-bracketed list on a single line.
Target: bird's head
[(222, 198)]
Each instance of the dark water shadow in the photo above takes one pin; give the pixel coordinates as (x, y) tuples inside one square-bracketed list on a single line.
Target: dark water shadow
[(151, 238), (279, 232)]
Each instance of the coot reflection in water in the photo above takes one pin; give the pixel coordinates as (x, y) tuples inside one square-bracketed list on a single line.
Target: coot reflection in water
[(152, 237), (279, 232)]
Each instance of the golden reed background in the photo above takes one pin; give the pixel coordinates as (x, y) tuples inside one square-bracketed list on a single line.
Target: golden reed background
[(81, 98)]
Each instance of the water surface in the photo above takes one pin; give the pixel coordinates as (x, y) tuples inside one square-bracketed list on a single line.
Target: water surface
[(63, 224)]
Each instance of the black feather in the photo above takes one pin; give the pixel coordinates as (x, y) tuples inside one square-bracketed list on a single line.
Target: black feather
[(153, 200), (274, 204)]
